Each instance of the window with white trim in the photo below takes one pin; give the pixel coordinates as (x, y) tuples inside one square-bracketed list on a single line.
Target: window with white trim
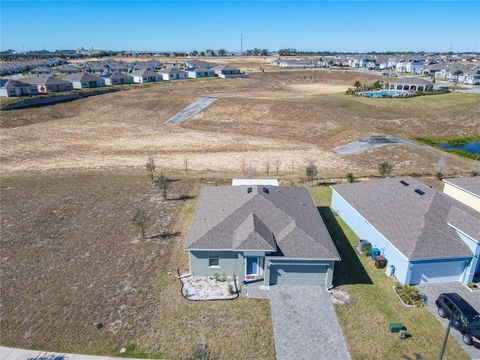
[(213, 259)]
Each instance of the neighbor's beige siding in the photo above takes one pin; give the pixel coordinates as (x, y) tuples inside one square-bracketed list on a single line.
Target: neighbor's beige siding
[(462, 196)]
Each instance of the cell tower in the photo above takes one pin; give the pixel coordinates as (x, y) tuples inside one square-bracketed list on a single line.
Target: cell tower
[(241, 43)]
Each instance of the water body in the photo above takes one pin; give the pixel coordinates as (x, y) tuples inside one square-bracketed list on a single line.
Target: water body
[(471, 147), (379, 94)]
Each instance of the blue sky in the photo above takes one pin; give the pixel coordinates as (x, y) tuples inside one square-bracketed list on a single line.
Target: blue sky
[(200, 25)]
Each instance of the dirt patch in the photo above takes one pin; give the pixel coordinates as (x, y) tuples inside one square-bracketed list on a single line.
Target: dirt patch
[(318, 89)]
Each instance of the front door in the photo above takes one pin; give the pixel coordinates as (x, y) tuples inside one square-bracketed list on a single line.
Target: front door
[(252, 266)]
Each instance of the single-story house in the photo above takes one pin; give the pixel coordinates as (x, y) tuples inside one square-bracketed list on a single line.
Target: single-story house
[(145, 76), (173, 74), (465, 190), (227, 71), (425, 235), (10, 88), (411, 84), (117, 78), (49, 84), (273, 234), (84, 80), (68, 69), (41, 71), (199, 72)]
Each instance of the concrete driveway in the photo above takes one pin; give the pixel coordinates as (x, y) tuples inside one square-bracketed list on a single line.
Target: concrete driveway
[(305, 325), (434, 289)]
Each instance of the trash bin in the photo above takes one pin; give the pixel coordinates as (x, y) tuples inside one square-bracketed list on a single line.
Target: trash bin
[(379, 262), (374, 253), (395, 327)]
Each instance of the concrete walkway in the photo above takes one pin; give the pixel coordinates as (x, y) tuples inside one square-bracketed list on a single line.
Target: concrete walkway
[(432, 291), (371, 142), (7, 353), (305, 326), (191, 110)]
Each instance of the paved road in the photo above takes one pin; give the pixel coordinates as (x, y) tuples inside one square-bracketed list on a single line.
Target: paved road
[(7, 353), (370, 142), (432, 291), (305, 325), (191, 110)]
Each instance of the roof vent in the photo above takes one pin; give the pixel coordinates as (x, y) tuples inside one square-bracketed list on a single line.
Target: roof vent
[(266, 191), (419, 192), (404, 183), (249, 190)]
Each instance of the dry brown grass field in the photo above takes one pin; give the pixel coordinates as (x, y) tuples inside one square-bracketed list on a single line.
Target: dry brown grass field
[(72, 177)]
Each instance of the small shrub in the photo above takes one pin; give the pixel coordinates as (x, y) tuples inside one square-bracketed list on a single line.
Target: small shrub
[(439, 175), (230, 289), (471, 285), (385, 168), (350, 178), (409, 294), (200, 351), (473, 173), (367, 249)]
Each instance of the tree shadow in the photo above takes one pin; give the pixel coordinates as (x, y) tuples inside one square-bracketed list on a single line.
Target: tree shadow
[(163, 235), (349, 270), (182, 198)]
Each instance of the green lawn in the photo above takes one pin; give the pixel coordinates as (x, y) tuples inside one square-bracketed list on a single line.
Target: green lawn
[(364, 321)]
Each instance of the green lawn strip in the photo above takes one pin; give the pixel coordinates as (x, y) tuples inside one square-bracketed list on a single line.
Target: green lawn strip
[(374, 304)]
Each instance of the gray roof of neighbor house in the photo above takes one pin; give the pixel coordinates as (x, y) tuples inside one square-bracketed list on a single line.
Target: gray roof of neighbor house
[(201, 69), (171, 71), (412, 216), (470, 184), (279, 219), (77, 77), (45, 81), (10, 84), (116, 75), (225, 67), (411, 80), (144, 73)]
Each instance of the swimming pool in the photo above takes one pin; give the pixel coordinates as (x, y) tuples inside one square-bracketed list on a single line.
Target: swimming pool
[(382, 93)]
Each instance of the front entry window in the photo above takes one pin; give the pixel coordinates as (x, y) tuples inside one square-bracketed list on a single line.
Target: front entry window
[(213, 259)]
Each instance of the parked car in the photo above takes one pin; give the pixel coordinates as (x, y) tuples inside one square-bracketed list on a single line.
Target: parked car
[(462, 315)]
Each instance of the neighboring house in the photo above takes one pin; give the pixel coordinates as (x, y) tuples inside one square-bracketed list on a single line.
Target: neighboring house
[(49, 84), (173, 74), (117, 78), (144, 76), (227, 71), (273, 234), (411, 84), (68, 69), (472, 77), (238, 182), (465, 190), (424, 235), (41, 71), (84, 80), (10, 88), (200, 72)]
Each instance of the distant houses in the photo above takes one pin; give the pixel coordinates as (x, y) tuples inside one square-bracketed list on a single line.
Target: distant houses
[(49, 84), (84, 80), (227, 71), (173, 74), (200, 72), (117, 78), (145, 76), (10, 88)]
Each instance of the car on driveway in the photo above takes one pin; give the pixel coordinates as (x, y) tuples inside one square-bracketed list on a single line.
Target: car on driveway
[(462, 316)]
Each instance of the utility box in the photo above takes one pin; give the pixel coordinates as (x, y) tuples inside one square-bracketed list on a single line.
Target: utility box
[(395, 327)]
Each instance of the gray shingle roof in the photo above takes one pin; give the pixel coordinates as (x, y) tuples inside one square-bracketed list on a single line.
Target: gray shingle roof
[(45, 81), (77, 77), (144, 73), (282, 218), (415, 224), (411, 80), (470, 184)]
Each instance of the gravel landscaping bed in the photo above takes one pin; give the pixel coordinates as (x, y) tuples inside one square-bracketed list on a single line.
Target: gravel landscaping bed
[(208, 287)]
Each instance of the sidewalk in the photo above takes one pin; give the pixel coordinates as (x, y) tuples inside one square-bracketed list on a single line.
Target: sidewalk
[(7, 353)]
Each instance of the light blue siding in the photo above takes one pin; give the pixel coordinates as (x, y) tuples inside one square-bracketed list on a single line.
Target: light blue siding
[(298, 272), (365, 231), (229, 263), (474, 265)]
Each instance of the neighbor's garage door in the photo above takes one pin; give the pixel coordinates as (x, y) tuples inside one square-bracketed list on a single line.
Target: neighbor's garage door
[(298, 274), (436, 272)]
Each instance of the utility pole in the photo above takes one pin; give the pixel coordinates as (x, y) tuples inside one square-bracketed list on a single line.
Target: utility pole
[(241, 43), (445, 338)]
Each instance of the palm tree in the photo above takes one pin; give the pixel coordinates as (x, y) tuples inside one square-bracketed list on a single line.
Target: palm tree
[(357, 84), (139, 219)]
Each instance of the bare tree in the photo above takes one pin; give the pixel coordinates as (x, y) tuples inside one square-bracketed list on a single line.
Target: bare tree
[(139, 219), (244, 166), (251, 172), (185, 161), (151, 167), (292, 164), (266, 163), (277, 164), (163, 183)]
